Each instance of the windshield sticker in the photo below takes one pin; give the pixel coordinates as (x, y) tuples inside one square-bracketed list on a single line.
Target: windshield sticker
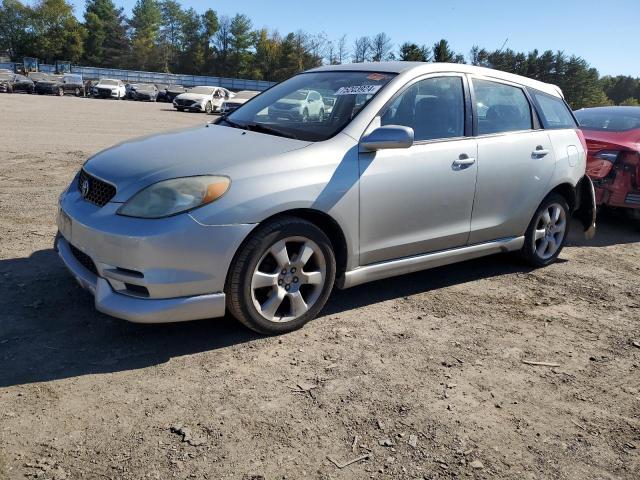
[(358, 90), (376, 77)]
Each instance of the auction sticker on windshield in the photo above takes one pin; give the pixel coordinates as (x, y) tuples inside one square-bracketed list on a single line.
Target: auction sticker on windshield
[(358, 89)]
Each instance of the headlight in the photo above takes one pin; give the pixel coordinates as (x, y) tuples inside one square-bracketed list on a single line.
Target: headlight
[(174, 196)]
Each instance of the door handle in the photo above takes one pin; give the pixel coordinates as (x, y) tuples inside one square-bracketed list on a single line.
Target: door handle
[(539, 152), (463, 161)]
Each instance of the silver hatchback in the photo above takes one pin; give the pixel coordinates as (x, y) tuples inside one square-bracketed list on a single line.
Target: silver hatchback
[(414, 166)]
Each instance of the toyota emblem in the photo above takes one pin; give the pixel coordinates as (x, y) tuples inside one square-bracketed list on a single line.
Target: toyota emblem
[(84, 187)]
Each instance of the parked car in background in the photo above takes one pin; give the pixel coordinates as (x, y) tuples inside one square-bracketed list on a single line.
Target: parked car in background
[(60, 85), (404, 175), (162, 92), (109, 88), (172, 91), (130, 90), (613, 161), (13, 82), (38, 77), (202, 99), (146, 92), (240, 98), (300, 105)]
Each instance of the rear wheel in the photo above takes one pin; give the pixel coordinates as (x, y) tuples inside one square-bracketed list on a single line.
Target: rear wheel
[(76, 92), (60, 91), (305, 116), (180, 109), (282, 277), (208, 108), (547, 231)]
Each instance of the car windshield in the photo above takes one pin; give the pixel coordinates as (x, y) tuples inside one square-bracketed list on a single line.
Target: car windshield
[(609, 120), (202, 90), (108, 82), (295, 108)]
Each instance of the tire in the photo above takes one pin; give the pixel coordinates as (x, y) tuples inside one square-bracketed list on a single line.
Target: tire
[(76, 92), (305, 116), (60, 92), (208, 108), (288, 282), (180, 109), (321, 115), (547, 232)]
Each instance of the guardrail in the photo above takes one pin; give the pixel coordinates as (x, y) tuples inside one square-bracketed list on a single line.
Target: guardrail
[(133, 76)]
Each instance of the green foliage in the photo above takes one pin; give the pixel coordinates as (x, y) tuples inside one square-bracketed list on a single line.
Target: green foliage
[(161, 35), (630, 102)]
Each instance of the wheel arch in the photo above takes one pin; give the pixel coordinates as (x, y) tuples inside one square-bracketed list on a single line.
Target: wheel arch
[(568, 191), (320, 219)]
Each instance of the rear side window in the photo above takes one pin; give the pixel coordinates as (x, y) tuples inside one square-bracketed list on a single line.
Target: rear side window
[(554, 112), (501, 107)]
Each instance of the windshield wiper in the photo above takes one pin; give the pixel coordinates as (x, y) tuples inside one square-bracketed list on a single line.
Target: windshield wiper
[(232, 124), (260, 127)]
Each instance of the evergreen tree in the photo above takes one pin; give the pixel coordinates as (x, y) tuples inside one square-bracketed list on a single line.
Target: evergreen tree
[(241, 41), (106, 43), (410, 52), (171, 33), (145, 25), (442, 52)]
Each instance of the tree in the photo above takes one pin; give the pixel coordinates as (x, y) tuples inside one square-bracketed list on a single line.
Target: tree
[(106, 43), (362, 50), (478, 56), (222, 42), (410, 52), (381, 47), (56, 33), (621, 88), (193, 56), (442, 52), (630, 102), (145, 24), (241, 41), (341, 50), (171, 32), (15, 19), (267, 55)]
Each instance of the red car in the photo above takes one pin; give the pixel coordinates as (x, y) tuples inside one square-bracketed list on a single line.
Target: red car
[(613, 159)]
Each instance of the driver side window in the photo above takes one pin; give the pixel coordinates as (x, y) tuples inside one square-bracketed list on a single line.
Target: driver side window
[(433, 108)]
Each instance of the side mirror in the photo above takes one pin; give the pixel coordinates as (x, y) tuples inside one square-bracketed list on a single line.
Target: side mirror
[(389, 136)]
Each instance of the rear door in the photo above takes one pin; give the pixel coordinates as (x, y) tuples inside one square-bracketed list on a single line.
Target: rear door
[(515, 160)]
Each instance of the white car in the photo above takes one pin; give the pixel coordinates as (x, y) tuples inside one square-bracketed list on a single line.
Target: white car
[(202, 99), (240, 98), (110, 88), (301, 105)]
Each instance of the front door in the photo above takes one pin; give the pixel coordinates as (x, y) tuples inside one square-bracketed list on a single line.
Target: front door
[(419, 200)]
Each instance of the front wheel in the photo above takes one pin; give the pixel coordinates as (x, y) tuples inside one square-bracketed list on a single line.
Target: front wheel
[(208, 108), (282, 276), (547, 231), (60, 92)]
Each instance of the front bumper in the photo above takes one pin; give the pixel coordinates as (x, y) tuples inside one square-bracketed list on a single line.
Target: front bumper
[(147, 271), (196, 107)]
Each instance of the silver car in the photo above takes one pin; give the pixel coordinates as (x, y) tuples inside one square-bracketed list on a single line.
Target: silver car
[(262, 215)]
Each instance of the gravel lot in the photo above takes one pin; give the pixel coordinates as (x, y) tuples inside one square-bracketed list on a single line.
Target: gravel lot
[(420, 376)]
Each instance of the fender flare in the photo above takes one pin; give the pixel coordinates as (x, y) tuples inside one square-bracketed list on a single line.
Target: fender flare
[(586, 209)]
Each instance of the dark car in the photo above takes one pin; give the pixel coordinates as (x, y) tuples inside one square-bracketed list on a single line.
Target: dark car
[(11, 82), (88, 87), (38, 77), (162, 87), (130, 90), (613, 158), (61, 84), (145, 92), (172, 92)]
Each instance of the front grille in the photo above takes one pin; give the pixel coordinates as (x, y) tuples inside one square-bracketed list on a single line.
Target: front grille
[(84, 259), (633, 198), (184, 103), (104, 92), (97, 192)]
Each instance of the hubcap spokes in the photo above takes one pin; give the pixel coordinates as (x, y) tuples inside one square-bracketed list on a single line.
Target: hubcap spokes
[(288, 279), (550, 230)]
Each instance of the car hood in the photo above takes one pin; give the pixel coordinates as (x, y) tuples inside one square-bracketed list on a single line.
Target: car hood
[(210, 149), (110, 87), (193, 96)]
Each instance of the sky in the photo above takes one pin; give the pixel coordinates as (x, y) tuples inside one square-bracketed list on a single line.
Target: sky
[(605, 33)]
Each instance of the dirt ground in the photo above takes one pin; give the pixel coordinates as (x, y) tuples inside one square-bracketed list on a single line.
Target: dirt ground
[(421, 376)]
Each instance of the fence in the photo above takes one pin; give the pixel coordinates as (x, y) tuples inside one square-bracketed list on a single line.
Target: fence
[(132, 76)]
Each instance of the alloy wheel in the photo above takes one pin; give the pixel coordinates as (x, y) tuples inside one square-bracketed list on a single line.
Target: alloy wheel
[(288, 279), (550, 230)]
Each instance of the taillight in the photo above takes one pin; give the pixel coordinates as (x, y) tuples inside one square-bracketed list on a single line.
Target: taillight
[(601, 163)]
